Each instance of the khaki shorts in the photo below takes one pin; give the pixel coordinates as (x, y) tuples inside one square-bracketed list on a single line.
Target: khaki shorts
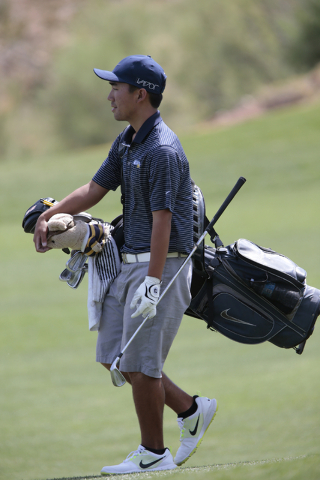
[(149, 349)]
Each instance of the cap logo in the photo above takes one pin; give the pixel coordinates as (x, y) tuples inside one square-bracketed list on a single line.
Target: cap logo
[(146, 84)]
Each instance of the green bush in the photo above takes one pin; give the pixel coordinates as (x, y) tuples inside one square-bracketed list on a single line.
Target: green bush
[(212, 54), (305, 52)]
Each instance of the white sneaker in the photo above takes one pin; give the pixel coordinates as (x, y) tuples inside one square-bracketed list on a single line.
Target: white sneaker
[(142, 461), (193, 428)]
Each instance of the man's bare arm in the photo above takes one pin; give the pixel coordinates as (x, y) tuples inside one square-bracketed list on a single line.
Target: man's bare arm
[(160, 238), (78, 201), (148, 292)]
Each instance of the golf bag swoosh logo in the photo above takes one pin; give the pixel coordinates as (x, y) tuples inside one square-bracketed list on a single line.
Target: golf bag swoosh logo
[(194, 431), (147, 465), (225, 315)]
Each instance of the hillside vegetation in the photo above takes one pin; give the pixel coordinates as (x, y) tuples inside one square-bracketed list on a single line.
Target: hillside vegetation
[(214, 54)]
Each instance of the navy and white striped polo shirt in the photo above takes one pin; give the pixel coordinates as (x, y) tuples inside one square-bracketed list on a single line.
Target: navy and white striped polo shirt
[(156, 175)]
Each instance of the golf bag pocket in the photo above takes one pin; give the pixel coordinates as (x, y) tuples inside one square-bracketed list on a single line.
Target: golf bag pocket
[(236, 317), (269, 260), (303, 321), (269, 274)]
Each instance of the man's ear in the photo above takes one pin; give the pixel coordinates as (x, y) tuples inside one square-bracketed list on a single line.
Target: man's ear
[(142, 94)]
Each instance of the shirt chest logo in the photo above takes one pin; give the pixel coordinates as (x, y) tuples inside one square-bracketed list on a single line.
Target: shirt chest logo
[(136, 163)]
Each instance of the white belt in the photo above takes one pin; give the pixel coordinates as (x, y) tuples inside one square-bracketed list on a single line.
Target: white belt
[(145, 257)]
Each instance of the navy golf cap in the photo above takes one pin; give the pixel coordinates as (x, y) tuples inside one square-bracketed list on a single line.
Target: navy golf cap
[(138, 70)]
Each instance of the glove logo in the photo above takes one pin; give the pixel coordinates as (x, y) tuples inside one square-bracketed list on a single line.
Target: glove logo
[(154, 291), (148, 294)]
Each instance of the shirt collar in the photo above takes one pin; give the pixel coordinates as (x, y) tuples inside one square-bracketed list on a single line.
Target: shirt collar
[(143, 131)]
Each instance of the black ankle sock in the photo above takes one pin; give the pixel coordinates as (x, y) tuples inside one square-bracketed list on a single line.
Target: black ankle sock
[(191, 410), (153, 450)]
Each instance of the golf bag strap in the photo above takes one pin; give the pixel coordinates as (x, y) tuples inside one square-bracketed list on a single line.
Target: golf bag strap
[(121, 151), (117, 232), (209, 283), (122, 198), (214, 237)]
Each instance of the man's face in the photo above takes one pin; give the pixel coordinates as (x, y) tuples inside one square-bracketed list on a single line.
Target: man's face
[(123, 102)]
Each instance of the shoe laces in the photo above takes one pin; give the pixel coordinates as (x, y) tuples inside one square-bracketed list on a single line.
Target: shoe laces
[(181, 426), (135, 453)]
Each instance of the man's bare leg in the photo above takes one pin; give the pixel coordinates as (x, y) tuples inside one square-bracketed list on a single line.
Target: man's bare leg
[(149, 397), (175, 398)]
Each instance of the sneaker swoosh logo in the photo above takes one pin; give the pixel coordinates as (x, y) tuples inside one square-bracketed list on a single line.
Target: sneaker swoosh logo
[(194, 431), (225, 315), (147, 465)]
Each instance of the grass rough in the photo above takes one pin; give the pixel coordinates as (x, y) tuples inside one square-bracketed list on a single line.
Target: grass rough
[(60, 416)]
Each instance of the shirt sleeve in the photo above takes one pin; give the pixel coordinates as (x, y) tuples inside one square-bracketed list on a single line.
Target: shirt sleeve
[(109, 174), (164, 178)]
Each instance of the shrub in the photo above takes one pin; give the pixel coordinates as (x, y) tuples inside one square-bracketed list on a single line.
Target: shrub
[(305, 51)]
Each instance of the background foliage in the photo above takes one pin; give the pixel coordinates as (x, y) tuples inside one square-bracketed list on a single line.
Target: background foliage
[(305, 49), (214, 55)]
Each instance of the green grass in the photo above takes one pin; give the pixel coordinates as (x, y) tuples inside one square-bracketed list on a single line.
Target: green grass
[(60, 416), (305, 466)]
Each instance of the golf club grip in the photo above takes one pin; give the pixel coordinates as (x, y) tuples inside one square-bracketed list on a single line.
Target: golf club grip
[(229, 198)]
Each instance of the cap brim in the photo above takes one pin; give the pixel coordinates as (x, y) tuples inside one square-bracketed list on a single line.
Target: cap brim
[(105, 75)]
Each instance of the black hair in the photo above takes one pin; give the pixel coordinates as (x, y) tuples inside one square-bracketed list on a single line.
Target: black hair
[(154, 98)]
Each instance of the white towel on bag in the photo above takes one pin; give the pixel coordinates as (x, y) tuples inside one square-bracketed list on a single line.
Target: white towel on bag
[(103, 268)]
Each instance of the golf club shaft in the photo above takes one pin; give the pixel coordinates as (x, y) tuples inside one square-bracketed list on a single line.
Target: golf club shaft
[(130, 339), (229, 198)]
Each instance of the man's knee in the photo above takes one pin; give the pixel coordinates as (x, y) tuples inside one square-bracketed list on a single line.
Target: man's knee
[(106, 365), (139, 377), (136, 376)]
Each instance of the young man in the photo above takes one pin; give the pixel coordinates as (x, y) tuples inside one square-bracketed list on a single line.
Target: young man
[(147, 159)]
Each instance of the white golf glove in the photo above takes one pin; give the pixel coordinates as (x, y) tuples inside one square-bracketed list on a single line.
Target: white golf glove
[(148, 293)]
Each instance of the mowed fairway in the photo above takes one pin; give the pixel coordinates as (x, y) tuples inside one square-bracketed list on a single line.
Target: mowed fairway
[(61, 417)]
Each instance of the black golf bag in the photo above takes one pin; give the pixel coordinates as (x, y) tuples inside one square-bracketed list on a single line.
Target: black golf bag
[(250, 294)]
